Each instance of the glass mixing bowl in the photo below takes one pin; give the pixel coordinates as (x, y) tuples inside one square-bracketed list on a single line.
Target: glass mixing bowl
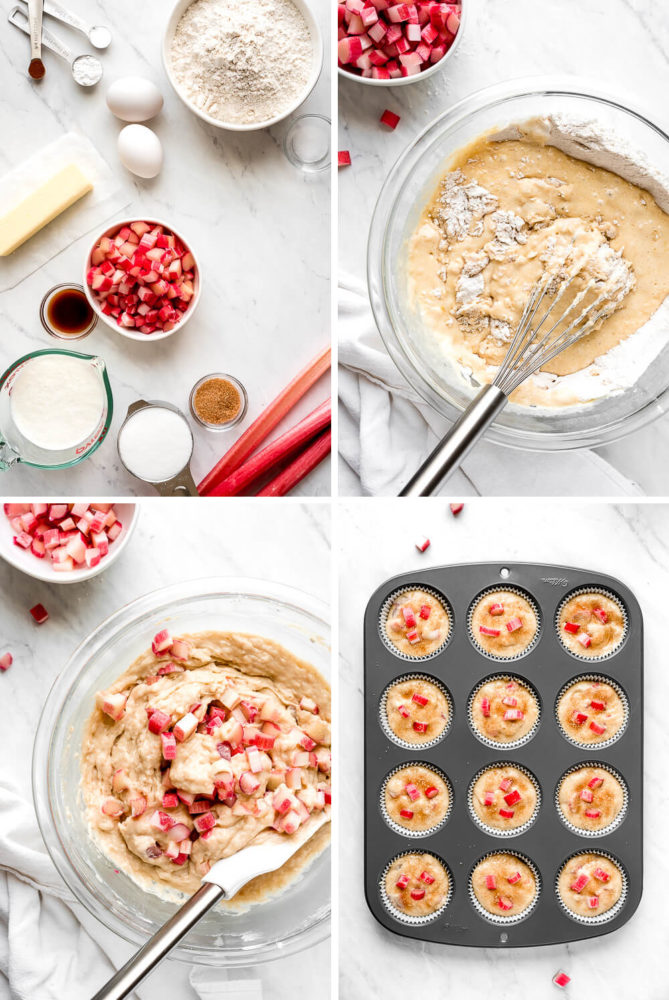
[(405, 192), (293, 920)]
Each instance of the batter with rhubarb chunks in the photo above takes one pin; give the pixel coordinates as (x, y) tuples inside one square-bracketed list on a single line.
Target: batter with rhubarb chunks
[(591, 798), (504, 885), (504, 798), (591, 711), (417, 884), (417, 711), (591, 625), (417, 623), (417, 798), (503, 623), (206, 744), (504, 710), (590, 884)]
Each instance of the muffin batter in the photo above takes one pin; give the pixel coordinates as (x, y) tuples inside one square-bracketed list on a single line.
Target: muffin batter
[(504, 798), (504, 885), (590, 884), (503, 623), (591, 711), (417, 710), (591, 798), (591, 625), (206, 744), (417, 623), (417, 884), (416, 798), (504, 710), (505, 212)]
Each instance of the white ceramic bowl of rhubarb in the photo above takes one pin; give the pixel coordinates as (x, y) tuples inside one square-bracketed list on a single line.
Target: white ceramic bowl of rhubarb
[(110, 321), (41, 569), (316, 66), (425, 74)]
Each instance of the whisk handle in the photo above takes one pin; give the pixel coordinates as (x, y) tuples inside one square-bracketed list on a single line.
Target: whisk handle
[(457, 444)]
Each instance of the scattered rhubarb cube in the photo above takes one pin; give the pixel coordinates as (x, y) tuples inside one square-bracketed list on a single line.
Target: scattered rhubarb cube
[(506, 784), (513, 715), (494, 632), (425, 611), (585, 640), (389, 118), (343, 158), (593, 813), (595, 782), (598, 706), (601, 614), (420, 699), (404, 711), (596, 728), (39, 613), (412, 792), (413, 636), (593, 902), (579, 718), (409, 617), (571, 627), (586, 795), (431, 792), (601, 875), (505, 903), (406, 813), (561, 979), (490, 882), (513, 797), (402, 882), (496, 609), (169, 746), (423, 544), (6, 661), (580, 883), (456, 508), (420, 727), (514, 624), (510, 701), (159, 722), (489, 799), (426, 878), (506, 813), (513, 879), (485, 707), (417, 894)]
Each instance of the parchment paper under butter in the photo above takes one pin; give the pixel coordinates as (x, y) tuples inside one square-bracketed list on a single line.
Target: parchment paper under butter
[(110, 194)]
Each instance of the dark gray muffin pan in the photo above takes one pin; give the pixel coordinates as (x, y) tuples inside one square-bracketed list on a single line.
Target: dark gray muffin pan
[(460, 843)]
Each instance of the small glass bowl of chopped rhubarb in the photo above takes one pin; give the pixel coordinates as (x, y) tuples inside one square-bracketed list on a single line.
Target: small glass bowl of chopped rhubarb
[(388, 43), (294, 919), (142, 279)]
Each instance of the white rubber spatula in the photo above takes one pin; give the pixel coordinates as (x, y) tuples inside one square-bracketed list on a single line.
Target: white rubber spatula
[(223, 881)]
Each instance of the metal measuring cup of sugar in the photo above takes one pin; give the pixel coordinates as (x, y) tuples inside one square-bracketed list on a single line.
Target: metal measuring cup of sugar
[(86, 69), (180, 483)]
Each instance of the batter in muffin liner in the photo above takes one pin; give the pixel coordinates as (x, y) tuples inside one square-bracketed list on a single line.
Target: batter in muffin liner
[(599, 679), (383, 713), (495, 744), (611, 597), (512, 831), (491, 591), (600, 918), (403, 830), (500, 918), (405, 918), (579, 831), (383, 619)]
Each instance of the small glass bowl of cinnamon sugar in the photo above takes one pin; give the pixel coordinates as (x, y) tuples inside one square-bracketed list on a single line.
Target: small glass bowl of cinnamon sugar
[(218, 402)]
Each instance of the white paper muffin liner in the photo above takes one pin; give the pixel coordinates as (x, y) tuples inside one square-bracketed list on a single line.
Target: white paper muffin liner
[(383, 712), (511, 831), (514, 918), (495, 744), (383, 618), (593, 746), (605, 592), (403, 830), (495, 589), (399, 915), (605, 830), (600, 918)]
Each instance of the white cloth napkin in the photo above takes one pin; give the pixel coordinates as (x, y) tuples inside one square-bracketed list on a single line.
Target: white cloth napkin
[(386, 430), (51, 948)]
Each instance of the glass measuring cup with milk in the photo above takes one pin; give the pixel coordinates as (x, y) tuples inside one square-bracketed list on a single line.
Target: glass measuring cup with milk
[(55, 409)]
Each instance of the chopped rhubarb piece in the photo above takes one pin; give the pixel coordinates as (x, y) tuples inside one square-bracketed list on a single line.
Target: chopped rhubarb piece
[(406, 813), (579, 718), (113, 808), (425, 611), (496, 609), (420, 699), (506, 813), (597, 728), (39, 613), (514, 624), (431, 792), (595, 782), (510, 701), (417, 894), (580, 883), (6, 661), (512, 797), (170, 800), (593, 902), (513, 715), (586, 795), (409, 616), (585, 640), (185, 727), (489, 799), (598, 706), (420, 727), (423, 544), (512, 879), (506, 784), (181, 649), (412, 792), (343, 158), (561, 979), (485, 707), (601, 875), (571, 627), (206, 821), (490, 882), (404, 711), (601, 614), (426, 878), (169, 746), (593, 813), (390, 119), (456, 508), (402, 882), (162, 642), (159, 721), (112, 705), (413, 636), (494, 632), (505, 903)]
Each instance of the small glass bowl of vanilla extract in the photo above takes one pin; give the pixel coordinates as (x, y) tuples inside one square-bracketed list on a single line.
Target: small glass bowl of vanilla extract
[(66, 313)]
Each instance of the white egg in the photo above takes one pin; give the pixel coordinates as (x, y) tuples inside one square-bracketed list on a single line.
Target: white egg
[(134, 99), (140, 150)]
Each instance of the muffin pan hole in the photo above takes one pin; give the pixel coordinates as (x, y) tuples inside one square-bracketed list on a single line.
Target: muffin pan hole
[(504, 623), (416, 711), (588, 875), (500, 884), (421, 881), (587, 717), (416, 799), (591, 624), (596, 791), (504, 711), (416, 622), (504, 799)]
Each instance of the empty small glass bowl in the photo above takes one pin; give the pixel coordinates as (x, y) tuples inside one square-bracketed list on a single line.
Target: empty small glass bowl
[(307, 143)]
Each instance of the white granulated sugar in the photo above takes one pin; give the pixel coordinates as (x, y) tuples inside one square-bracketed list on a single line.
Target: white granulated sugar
[(242, 61)]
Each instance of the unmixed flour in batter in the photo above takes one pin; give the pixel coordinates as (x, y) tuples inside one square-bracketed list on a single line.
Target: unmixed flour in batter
[(242, 62), (512, 207)]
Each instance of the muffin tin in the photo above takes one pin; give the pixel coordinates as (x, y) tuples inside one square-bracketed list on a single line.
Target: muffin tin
[(548, 843)]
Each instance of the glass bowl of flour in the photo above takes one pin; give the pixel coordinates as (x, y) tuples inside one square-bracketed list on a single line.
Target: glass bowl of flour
[(620, 391), (239, 65)]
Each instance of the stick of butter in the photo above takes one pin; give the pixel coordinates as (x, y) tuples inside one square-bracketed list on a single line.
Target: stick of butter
[(41, 207)]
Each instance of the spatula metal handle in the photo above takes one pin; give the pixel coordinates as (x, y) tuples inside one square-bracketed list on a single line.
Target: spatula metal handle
[(161, 944), (453, 449)]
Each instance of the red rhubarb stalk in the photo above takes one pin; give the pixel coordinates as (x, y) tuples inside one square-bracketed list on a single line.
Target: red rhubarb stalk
[(275, 452), (299, 467), (266, 422)]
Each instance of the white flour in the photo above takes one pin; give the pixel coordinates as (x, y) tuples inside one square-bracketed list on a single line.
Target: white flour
[(242, 61), (464, 204)]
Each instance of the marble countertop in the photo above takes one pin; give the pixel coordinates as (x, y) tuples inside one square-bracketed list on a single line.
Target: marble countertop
[(160, 553), (261, 229), (374, 545), (618, 44)]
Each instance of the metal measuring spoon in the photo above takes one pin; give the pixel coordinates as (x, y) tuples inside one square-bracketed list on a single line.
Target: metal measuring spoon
[(98, 35), (36, 69), (86, 70)]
